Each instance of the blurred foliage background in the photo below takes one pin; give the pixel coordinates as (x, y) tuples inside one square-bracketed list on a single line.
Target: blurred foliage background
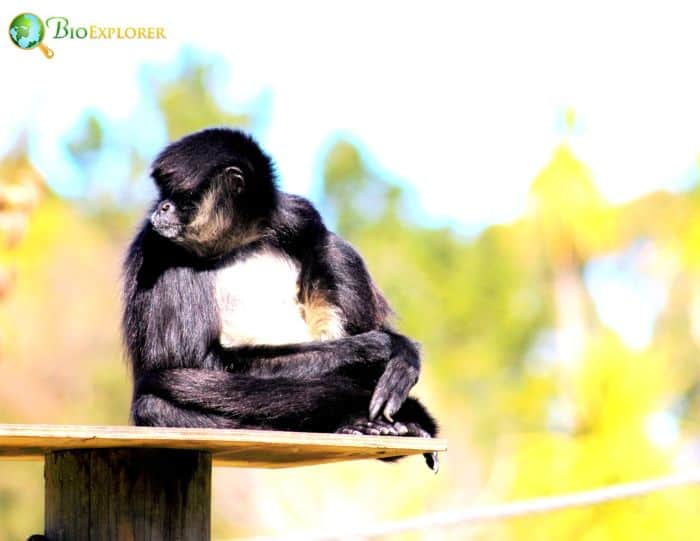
[(535, 391)]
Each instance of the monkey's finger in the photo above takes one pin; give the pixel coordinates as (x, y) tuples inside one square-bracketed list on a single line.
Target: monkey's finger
[(398, 395), (381, 394), (394, 403), (378, 400), (388, 382)]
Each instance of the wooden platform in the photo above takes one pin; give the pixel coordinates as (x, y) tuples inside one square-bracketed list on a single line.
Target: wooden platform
[(241, 448), (146, 484)]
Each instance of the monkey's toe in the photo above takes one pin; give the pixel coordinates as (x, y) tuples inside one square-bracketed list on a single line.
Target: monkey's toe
[(364, 427), (350, 430)]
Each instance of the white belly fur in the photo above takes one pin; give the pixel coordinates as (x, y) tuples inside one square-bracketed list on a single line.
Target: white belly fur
[(258, 304)]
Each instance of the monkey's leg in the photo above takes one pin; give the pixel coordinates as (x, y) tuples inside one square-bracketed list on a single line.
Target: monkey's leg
[(151, 410), (198, 397)]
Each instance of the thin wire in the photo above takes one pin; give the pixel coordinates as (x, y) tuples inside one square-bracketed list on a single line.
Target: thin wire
[(501, 511)]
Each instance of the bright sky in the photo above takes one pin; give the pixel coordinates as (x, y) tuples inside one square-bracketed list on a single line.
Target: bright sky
[(461, 100)]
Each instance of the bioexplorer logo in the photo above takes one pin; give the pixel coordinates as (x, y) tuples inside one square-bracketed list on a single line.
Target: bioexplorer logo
[(27, 31)]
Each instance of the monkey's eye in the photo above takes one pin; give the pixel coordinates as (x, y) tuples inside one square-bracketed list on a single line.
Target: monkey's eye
[(235, 177)]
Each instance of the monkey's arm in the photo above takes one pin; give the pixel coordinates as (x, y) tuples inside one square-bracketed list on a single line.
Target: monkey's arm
[(371, 350), (334, 273), (388, 359), (346, 281)]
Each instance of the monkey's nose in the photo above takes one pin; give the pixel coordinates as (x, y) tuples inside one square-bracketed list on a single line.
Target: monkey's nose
[(165, 207)]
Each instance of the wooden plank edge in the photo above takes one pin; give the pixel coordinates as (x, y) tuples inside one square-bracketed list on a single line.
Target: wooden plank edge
[(99, 436)]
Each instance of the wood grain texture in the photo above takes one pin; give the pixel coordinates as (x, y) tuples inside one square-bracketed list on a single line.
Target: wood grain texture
[(242, 448), (127, 495)]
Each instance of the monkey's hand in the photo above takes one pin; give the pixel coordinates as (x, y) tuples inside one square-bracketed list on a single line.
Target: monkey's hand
[(365, 427), (392, 389), (400, 375)]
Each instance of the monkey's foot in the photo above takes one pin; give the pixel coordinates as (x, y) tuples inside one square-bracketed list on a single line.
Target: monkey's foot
[(365, 427)]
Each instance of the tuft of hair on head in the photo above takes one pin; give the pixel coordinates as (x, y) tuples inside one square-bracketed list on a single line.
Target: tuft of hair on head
[(186, 164), (224, 187)]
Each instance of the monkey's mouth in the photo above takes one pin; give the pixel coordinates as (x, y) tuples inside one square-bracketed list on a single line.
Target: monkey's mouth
[(166, 229)]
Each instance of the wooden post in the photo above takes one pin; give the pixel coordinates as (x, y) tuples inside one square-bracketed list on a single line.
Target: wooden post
[(128, 494)]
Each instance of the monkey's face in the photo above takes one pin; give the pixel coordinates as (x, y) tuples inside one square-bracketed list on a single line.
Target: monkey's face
[(214, 218), (217, 191)]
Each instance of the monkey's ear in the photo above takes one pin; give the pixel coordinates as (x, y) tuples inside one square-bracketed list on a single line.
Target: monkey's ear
[(233, 176)]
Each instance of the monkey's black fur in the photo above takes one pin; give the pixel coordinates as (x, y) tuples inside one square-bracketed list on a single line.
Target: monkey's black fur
[(218, 205)]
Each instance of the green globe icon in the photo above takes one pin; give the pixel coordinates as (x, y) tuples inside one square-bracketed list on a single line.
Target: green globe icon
[(27, 31)]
